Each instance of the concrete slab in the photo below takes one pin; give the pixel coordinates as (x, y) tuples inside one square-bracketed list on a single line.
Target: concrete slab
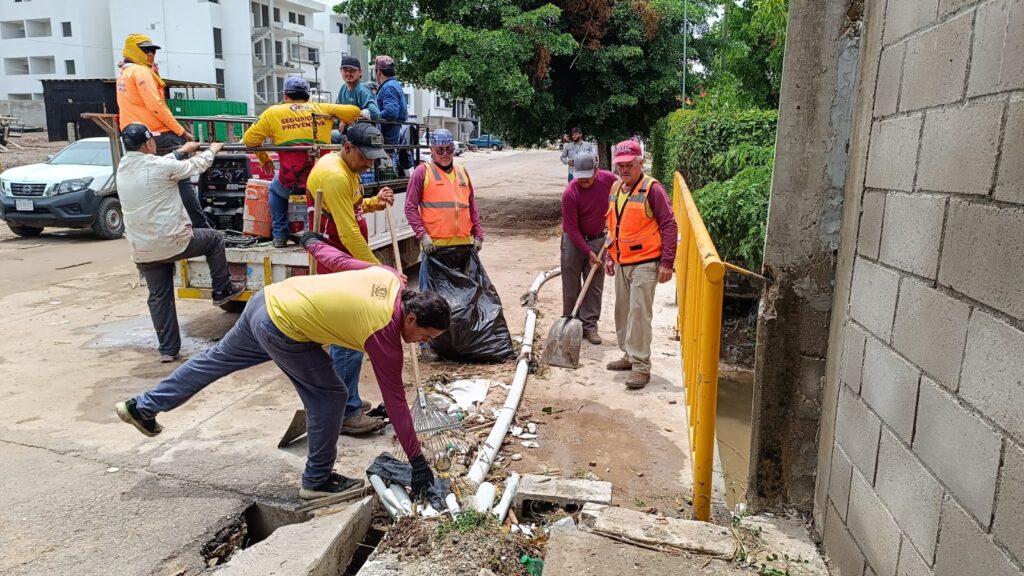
[(321, 547), (633, 526), (575, 553), (561, 491), (786, 538)]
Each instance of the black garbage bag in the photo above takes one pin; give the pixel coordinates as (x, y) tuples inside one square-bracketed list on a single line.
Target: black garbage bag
[(390, 469), (478, 332)]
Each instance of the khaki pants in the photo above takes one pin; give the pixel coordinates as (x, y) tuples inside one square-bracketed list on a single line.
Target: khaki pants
[(634, 308)]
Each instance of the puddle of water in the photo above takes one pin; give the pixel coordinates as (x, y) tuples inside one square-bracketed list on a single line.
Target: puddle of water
[(735, 400), (137, 332)]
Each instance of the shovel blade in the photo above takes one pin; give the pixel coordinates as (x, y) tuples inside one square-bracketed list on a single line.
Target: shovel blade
[(295, 430), (562, 347)]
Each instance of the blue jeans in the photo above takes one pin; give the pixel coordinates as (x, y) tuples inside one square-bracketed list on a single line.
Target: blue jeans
[(279, 208), (347, 364), (570, 176), (253, 340), (423, 271)]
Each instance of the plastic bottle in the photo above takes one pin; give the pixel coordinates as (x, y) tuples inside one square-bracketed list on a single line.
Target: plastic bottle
[(534, 566)]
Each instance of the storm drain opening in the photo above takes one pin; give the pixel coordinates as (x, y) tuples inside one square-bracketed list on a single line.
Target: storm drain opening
[(366, 547), (254, 525)]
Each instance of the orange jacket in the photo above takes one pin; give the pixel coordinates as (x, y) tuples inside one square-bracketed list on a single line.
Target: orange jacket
[(140, 99), (635, 236), (444, 205)]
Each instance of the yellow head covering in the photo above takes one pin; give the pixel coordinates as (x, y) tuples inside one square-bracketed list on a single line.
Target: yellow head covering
[(132, 53)]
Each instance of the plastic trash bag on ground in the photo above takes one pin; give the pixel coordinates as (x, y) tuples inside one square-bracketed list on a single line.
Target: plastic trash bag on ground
[(390, 469)]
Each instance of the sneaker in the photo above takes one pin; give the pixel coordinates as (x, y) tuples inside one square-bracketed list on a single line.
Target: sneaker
[(127, 412), (620, 365), (637, 380), (280, 242), (335, 484), (592, 336), (221, 298), (168, 358), (361, 424)]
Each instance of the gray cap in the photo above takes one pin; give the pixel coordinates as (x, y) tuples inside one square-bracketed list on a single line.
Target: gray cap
[(583, 166), (367, 138)]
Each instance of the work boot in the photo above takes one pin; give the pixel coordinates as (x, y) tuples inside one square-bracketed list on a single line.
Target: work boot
[(221, 298), (361, 424), (620, 365), (280, 242), (366, 407), (637, 380), (127, 412), (335, 484), (592, 336), (168, 358)]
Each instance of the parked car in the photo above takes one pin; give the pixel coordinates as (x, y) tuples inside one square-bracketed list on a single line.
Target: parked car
[(74, 188), (487, 141), (459, 148)]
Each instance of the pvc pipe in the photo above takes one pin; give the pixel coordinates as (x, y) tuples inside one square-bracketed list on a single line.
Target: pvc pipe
[(511, 487), (387, 498), (484, 499), (404, 502), (453, 505), (489, 449)]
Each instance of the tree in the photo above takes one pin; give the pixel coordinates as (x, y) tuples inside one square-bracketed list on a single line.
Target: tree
[(534, 69)]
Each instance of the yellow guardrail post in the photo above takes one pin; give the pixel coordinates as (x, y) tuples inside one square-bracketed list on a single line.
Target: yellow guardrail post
[(699, 285)]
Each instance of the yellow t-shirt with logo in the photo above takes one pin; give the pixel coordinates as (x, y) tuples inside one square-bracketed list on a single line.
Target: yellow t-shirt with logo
[(344, 308)]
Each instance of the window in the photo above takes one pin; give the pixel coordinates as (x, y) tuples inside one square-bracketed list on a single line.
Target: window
[(219, 72), (12, 29), (69, 67), (16, 66), (313, 55), (214, 1), (439, 102), (341, 28), (218, 44), (66, 29), (42, 64), (278, 52), (277, 14), (302, 19), (291, 17), (39, 28)]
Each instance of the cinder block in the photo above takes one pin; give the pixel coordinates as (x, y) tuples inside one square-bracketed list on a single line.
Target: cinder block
[(913, 232), (845, 557), (890, 387), (873, 527), (905, 16), (983, 255), (911, 563), (930, 330), (964, 549), (993, 378), (893, 156), (1009, 525), (853, 357), (857, 431), (839, 480), (936, 64), (958, 149), (870, 234), (959, 448), (890, 71), (997, 63), (562, 491), (912, 494), (1010, 181), (873, 297)]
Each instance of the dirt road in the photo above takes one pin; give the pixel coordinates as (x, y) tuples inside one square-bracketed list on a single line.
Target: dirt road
[(86, 494)]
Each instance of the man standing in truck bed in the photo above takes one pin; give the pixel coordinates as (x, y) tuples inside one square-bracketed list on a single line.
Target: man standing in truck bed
[(292, 123)]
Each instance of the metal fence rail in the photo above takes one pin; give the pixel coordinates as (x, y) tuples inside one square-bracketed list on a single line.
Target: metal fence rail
[(699, 286)]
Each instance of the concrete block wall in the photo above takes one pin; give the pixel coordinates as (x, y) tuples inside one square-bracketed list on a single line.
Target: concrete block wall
[(926, 474)]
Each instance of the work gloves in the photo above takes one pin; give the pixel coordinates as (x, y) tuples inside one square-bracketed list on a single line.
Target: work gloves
[(422, 477), (309, 237), (478, 243), (365, 114), (427, 245)]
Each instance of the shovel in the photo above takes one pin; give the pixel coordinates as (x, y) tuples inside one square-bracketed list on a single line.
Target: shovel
[(562, 348)]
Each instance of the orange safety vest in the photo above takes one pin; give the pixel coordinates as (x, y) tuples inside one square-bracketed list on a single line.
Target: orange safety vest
[(636, 237), (444, 204)]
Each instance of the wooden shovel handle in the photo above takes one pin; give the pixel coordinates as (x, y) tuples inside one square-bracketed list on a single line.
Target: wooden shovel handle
[(318, 210), (398, 266), (586, 284)]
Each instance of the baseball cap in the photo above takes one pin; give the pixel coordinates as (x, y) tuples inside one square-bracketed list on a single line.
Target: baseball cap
[(296, 84), (583, 166), (135, 135), (147, 43), (626, 151), (575, 129), (367, 138), (351, 62), (440, 137), (385, 64)]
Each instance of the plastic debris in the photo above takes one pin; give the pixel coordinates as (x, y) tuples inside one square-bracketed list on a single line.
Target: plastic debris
[(516, 431), (531, 427), (566, 522), (468, 393), (530, 444), (528, 436), (534, 566), (516, 457)]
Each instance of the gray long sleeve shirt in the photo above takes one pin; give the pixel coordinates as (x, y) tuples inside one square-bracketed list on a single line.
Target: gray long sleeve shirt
[(573, 149)]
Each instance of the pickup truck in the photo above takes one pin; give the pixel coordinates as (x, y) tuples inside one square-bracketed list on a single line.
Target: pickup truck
[(487, 141)]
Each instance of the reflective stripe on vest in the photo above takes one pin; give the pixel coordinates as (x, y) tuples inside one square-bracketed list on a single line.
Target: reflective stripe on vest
[(636, 237), (444, 204)]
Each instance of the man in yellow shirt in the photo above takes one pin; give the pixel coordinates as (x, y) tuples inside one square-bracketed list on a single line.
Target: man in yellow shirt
[(363, 307), (344, 227), (293, 123)]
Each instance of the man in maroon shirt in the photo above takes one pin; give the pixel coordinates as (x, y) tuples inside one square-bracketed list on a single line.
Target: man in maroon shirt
[(584, 209)]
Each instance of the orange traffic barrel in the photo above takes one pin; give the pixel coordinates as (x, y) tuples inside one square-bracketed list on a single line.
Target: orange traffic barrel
[(256, 218)]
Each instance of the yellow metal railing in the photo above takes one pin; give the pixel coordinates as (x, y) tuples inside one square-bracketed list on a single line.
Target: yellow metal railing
[(699, 285)]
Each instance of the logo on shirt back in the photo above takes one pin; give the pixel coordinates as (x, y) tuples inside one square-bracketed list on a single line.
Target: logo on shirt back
[(379, 291)]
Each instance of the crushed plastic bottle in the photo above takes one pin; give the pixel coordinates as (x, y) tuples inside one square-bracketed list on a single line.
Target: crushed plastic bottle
[(534, 566)]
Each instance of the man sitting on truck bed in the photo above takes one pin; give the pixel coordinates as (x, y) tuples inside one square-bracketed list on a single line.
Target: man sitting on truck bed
[(293, 123)]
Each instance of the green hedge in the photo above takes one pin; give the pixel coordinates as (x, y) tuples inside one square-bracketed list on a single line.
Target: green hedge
[(688, 140)]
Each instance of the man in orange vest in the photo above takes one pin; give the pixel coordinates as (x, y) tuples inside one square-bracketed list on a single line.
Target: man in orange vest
[(642, 236), (441, 206), (140, 100)]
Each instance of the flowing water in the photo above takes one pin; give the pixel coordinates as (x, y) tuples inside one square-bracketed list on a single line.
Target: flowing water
[(735, 397)]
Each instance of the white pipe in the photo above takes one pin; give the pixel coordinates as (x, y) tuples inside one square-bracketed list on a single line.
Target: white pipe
[(489, 449), (453, 505), (511, 487), (404, 502), (484, 499), (387, 499)]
